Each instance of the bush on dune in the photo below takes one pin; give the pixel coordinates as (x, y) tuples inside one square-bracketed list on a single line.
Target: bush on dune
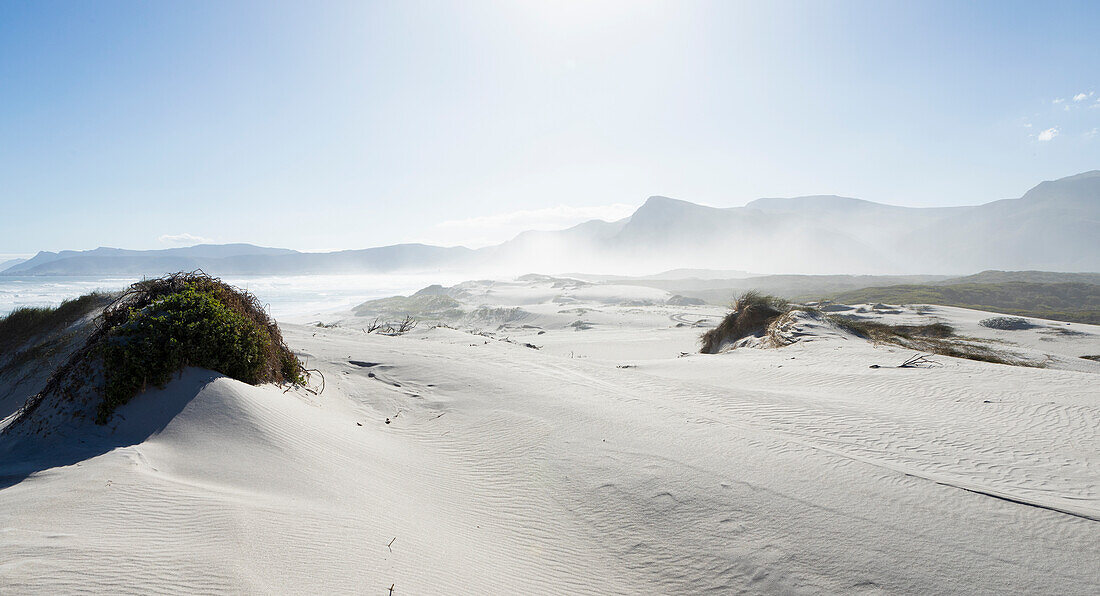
[(752, 313), (161, 326), (158, 327)]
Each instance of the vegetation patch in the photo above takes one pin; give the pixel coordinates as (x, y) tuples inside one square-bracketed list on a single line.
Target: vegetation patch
[(751, 314), (760, 315), (420, 306), (1007, 323), (164, 325), (27, 322), (1075, 302), (883, 332), (938, 338), (159, 326)]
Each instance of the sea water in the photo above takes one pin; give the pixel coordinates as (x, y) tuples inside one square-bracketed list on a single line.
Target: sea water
[(290, 298)]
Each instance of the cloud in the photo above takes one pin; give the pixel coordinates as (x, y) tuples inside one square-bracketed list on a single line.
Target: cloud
[(183, 239), (1080, 97), (1048, 134), (1059, 100), (1092, 133), (483, 230)]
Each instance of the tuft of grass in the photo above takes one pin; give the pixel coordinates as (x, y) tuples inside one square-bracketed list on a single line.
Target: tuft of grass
[(27, 322), (751, 314)]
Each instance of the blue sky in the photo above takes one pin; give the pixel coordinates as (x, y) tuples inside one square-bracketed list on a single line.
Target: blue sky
[(345, 125)]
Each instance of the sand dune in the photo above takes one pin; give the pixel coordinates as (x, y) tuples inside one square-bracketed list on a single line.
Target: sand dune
[(605, 461)]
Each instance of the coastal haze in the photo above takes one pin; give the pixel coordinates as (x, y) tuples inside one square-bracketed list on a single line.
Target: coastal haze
[(1051, 227), (549, 298)]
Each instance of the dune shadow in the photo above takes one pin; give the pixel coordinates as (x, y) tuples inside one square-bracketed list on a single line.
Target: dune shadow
[(24, 454)]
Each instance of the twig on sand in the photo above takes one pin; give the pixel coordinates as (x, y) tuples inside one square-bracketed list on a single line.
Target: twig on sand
[(322, 389), (919, 361), (308, 372), (916, 361), (391, 589), (391, 544)]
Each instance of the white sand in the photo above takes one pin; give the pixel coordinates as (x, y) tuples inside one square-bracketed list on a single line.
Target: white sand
[(511, 470)]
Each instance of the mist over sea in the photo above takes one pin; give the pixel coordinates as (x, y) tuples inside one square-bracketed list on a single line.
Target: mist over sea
[(291, 298)]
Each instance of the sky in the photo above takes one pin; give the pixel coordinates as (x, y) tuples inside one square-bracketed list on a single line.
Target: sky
[(331, 125)]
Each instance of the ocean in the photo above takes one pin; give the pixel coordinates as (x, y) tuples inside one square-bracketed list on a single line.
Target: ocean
[(291, 298)]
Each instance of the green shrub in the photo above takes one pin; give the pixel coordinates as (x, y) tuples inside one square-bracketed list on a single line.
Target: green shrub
[(162, 326)]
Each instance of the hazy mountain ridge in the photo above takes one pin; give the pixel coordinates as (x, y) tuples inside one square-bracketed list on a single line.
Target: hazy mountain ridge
[(11, 263), (240, 262), (77, 260), (1051, 227), (1054, 226)]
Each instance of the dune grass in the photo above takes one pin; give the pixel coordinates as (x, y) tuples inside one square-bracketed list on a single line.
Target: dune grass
[(756, 314), (28, 322), (751, 314), (937, 338)]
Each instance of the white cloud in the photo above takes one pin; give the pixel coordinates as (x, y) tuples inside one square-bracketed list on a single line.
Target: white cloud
[(184, 239), (1092, 133), (1080, 97), (484, 230), (1059, 100), (1048, 134)]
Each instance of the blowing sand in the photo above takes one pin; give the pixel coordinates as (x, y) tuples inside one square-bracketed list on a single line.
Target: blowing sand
[(606, 461)]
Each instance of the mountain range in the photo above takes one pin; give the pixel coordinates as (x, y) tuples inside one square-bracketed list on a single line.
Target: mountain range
[(1054, 226)]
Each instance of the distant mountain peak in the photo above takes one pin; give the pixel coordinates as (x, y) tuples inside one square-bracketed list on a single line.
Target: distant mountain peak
[(1083, 189), (812, 202), (660, 204), (658, 201), (1081, 176)]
